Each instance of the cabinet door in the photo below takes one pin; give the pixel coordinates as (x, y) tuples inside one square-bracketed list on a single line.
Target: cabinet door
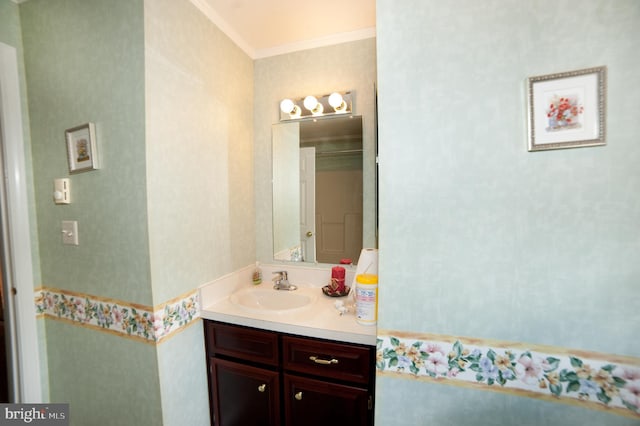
[(310, 402), (244, 395)]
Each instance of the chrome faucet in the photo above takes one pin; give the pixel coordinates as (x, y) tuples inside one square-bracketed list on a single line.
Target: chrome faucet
[(281, 281)]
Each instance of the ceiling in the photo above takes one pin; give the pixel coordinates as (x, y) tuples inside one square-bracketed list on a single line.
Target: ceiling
[(265, 28)]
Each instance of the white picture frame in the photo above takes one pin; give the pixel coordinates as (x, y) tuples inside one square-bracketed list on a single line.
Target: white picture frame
[(82, 151)]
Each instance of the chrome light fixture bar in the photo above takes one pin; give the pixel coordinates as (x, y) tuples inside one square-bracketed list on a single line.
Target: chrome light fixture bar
[(315, 106)]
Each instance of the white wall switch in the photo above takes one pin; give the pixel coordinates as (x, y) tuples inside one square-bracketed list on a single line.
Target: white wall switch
[(61, 191), (70, 232)]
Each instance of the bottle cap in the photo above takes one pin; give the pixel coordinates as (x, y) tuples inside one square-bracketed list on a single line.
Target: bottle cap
[(367, 279)]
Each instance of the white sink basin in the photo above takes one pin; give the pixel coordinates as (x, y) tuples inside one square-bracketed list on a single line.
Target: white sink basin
[(270, 300)]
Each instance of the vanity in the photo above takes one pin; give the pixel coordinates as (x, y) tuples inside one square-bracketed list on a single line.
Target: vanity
[(303, 365), (282, 357)]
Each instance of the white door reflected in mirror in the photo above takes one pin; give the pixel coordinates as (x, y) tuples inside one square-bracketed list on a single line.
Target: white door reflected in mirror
[(308, 203)]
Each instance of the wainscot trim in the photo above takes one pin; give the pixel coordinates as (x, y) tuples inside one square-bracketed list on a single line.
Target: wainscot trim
[(132, 320), (593, 380)]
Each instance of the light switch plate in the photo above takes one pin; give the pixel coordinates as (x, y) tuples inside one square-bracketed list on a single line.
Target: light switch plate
[(61, 191), (70, 232)]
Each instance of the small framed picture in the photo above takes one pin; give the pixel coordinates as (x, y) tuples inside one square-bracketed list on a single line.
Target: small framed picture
[(567, 110), (81, 148)]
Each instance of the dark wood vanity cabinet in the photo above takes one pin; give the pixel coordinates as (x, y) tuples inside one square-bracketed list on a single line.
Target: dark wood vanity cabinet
[(259, 377)]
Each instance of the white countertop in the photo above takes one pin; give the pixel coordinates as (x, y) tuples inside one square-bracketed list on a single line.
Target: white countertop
[(320, 319)]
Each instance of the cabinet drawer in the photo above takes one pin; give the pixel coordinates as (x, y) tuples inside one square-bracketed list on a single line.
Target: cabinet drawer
[(328, 359), (246, 343)]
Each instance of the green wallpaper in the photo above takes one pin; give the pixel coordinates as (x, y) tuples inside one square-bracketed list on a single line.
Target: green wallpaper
[(9, 23), (445, 405), (479, 237), (85, 62), (199, 150), (199, 153), (106, 379), (183, 378)]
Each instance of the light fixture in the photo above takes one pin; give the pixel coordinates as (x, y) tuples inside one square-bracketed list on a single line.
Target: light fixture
[(338, 104), (315, 106), (311, 103), (289, 107)]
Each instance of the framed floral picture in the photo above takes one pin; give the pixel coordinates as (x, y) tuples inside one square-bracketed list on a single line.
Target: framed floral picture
[(81, 148), (567, 110)]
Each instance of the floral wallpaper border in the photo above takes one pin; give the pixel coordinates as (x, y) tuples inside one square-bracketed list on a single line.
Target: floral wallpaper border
[(150, 324), (595, 380)]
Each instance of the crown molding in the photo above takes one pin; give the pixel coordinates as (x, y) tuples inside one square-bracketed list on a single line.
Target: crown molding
[(224, 26), (317, 42)]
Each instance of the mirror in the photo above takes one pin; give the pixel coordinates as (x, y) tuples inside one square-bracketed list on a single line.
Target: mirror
[(318, 189)]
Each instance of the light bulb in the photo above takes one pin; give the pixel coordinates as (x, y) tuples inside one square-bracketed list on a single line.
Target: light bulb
[(289, 107), (310, 102), (336, 101), (286, 106)]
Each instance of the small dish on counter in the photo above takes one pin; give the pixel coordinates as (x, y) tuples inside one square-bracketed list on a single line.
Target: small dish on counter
[(335, 293)]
